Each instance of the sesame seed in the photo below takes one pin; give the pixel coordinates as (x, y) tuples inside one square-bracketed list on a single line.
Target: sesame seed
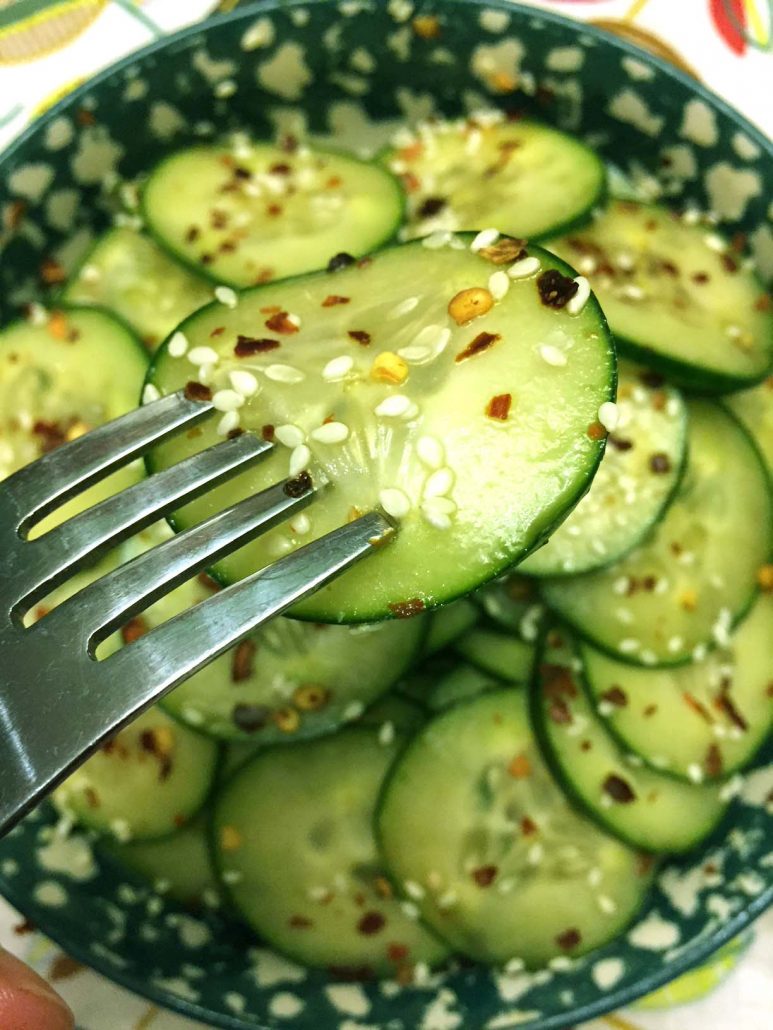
[(608, 415), (552, 355), (178, 345), (37, 314), (436, 518), (431, 451), (338, 368), (632, 292), (535, 854), (560, 963), (228, 423), (294, 320), (386, 734), (735, 332), (330, 432), (620, 585), (204, 374), (587, 264), (628, 645), (150, 393), (691, 216), (606, 904), (435, 337), (299, 459), (227, 400), (301, 525), (699, 652), (524, 268), (595, 877), (232, 876), (290, 435), (675, 644), (203, 356), (226, 296), (436, 240), (506, 886), (244, 382), (695, 773), (90, 274), (409, 909), (224, 89), (515, 965), (393, 406), (715, 242), (284, 374), (439, 483), (648, 657), (404, 307), (318, 893), (415, 355), (394, 502), (580, 299), (484, 239), (411, 412), (414, 890), (447, 900), (625, 261), (498, 284)]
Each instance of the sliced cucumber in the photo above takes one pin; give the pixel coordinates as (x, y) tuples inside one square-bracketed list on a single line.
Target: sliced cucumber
[(647, 809), (512, 602), (148, 781), (700, 721), (448, 623), (294, 844), (505, 869), (126, 272), (462, 683), (252, 212), (755, 409), (529, 179), (499, 654), (684, 588), (62, 374), (642, 464), (414, 445), (677, 296)]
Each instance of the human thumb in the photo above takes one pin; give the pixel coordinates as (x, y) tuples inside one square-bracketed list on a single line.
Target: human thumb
[(26, 1000)]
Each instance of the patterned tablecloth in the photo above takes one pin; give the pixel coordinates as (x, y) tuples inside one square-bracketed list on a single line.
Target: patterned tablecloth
[(726, 43)]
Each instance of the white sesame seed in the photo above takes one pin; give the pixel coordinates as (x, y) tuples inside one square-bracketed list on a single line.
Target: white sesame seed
[(632, 292), (150, 393), (436, 240), (178, 345), (227, 400), (290, 435), (734, 332), (318, 893), (228, 423), (436, 518), (299, 459), (447, 900), (691, 216), (232, 876), (498, 284), (443, 505), (395, 502), (699, 652), (580, 299), (338, 368), (224, 89), (552, 355), (386, 733), (695, 773), (226, 296), (414, 890), (330, 432), (535, 854), (205, 373), (625, 261), (203, 356), (294, 320), (409, 909), (36, 314), (715, 242), (648, 657), (439, 483), (90, 274), (620, 585), (506, 886), (415, 355), (244, 382), (675, 644), (484, 239), (410, 412), (515, 965), (284, 374), (608, 415), (587, 264), (433, 336), (404, 307), (607, 904), (524, 268), (628, 645), (301, 525), (595, 876), (393, 406), (560, 963), (353, 711), (431, 451)]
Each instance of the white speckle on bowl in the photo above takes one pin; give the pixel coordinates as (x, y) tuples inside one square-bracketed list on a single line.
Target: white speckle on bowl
[(61, 208), (235, 1002), (285, 1005), (354, 85), (438, 1014), (750, 882), (607, 972), (286, 73), (348, 998), (260, 34), (69, 855), (512, 986), (400, 43), (515, 1017), (31, 181), (627, 106), (730, 189), (50, 893), (720, 906), (193, 933), (699, 124), (9, 867), (654, 933), (565, 59), (212, 70), (636, 69), (178, 986), (97, 155), (416, 107), (494, 21), (362, 60), (271, 969), (761, 241), (746, 149), (488, 63), (401, 10), (682, 888), (681, 161), (58, 134), (136, 89), (165, 121)]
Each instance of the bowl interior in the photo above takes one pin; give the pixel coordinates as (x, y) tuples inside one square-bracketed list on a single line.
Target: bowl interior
[(340, 71)]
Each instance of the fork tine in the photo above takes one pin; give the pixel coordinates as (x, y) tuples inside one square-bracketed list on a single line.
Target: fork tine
[(50, 558), (180, 647), (108, 603), (37, 489)]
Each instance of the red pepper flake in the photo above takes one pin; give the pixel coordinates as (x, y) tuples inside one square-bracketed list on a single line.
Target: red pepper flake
[(431, 206), (520, 767), (217, 331), (397, 952), (644, 863), (557, 681), (218, 219), (763, 303), (298, 486), (281, 323), (725, 703), (207, 259), (271, 309), (288, 143), (481, 343), (618, 789), (281, 168), (586, 745), (152, 741), (207, 581), (499, 406), (411, 152), (339, 261), (619, 443), (243, 661), (250, 718), (334, 182), (595, 431), (273, 210), (360, 336), (197, 391), (333, 299), (485, 875), (192, 233), (569, 939), (300, 923), (559, 712), (713, 761), (660, 463), (729, 264), (247, 346), (528, 826), (701, 278), (615, 696), (371, 923), (134, 629), (555, 290), (267, 432), (504, 251), (14, 214), (697, 706), (653, 380), (649, 711), (411, 183), (51, 435), (51, 272), (24, 927), (407, 609), (91, 796)]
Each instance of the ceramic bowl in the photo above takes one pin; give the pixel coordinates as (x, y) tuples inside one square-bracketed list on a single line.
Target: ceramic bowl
[(335, 69)]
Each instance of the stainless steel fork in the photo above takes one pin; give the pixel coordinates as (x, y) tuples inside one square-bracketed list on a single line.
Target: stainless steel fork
[(57, 702)]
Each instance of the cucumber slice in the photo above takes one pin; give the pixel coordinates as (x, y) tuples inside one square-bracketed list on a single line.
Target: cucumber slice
[(678, 298), (512, 602), (461, 684), (501, 655), (253, 212), (62, 374), (699, 721), (148, 781), (647, 809), (692, 580), (462, 522), (755, 409), (529, 179), (126, 272), (448, 623), (294, 844), (394, 714), (629, 493), (507, 868)]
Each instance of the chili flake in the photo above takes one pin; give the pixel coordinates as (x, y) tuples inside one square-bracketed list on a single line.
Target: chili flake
[(339, 261), (499, 406), (134, 629), (485, 875), (504, 251), (616, 696), (197, 391), (528, 826), (267, 432), (371, 923), (618, 789), (333, 299), (281, 323), (230, 838), (556, 290), (300, 923), (242, 662), (520, 767), (247, 346), (569, 939), (660, 463), (713, 761), (765, 577), (481, 343), (407, 609), (397, 952), (426, 26), (619, 443), (300, 484)]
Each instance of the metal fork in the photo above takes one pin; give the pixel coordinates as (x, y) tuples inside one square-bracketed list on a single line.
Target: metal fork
[(57, 702)]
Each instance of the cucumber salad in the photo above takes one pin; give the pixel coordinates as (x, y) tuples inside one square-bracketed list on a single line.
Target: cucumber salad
[(477, 744)]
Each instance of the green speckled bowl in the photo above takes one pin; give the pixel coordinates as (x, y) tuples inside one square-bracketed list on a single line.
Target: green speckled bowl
[(334, 68)]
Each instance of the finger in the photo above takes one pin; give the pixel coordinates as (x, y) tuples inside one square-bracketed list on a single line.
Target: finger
[(26, 1000)]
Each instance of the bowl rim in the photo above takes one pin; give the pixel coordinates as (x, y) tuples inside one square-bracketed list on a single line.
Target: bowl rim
[(702, 947)]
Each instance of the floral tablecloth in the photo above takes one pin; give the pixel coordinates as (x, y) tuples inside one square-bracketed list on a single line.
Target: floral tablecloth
[(49, 46)]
